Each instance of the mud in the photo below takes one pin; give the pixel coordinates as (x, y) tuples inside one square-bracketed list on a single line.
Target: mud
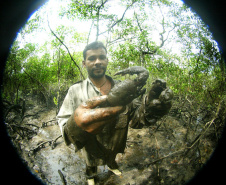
[(154, 155)]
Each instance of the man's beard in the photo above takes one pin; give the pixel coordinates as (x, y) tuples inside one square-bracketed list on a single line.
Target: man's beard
[(91, 72)]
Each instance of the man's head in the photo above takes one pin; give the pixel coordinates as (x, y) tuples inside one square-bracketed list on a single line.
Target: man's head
[(93, 46), (95, 59)]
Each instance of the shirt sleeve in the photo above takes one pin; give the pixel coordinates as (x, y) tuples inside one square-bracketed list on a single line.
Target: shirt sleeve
[(65, 112), (70, 131)]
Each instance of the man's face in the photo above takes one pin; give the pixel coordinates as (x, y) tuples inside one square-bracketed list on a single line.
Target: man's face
[(96, 62)]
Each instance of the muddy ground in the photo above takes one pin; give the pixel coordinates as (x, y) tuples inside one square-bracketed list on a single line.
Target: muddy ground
[(156, 155)]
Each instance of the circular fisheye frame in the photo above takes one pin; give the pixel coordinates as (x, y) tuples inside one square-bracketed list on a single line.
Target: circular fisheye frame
[(181, 43)]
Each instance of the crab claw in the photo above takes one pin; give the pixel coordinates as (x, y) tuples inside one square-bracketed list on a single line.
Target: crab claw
[(132, 70), (126, 91), (122, 72), (142, 73)]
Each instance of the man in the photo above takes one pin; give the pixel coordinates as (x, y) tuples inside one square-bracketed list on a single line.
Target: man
[(101, 131)]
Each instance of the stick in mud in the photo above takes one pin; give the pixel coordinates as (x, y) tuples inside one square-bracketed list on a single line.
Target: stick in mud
[(62, 177)]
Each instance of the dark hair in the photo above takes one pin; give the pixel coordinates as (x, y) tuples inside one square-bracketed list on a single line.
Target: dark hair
[(92, 46)]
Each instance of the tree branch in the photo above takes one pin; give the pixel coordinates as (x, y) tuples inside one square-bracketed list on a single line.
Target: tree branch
[(118, 21), (98, 17), (38, 82), (149, 52), (67, 50), (164, 30), (90, 32)]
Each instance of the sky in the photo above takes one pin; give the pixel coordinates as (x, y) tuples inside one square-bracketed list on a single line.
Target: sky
[(51, 9)]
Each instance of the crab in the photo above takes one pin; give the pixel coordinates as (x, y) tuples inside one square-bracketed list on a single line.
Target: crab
[(124, 92)]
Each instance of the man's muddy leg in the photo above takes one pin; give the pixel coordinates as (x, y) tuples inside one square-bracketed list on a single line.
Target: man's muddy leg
[(91, 171), (112, 165)]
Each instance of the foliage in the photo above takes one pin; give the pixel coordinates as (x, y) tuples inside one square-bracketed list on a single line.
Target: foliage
[(40, 72), (163, 36)]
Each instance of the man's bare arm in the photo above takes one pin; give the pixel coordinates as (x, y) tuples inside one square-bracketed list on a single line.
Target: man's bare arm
[(91, 118)]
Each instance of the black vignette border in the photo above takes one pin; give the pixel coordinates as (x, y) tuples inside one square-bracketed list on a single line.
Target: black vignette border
[(14, 14)]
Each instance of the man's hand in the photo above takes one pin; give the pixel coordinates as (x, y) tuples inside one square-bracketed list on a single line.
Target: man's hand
[(91, 115), (159, 99)]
